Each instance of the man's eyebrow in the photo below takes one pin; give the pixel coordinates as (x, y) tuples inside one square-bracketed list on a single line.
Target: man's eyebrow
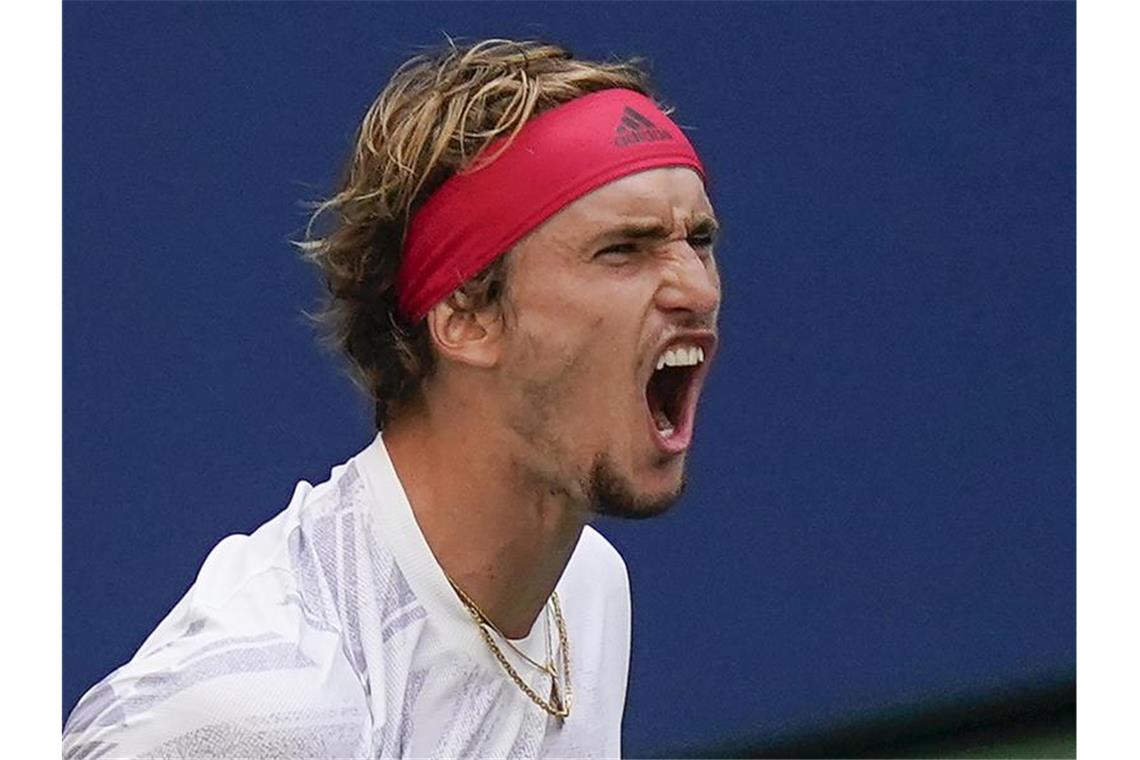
[(653, 229), (704, 224), (637, 230)]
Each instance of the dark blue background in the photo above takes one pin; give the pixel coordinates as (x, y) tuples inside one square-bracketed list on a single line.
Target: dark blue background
[(882, 501)]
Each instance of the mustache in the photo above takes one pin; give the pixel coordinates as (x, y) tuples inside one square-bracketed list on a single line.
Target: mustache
[(692, 323)]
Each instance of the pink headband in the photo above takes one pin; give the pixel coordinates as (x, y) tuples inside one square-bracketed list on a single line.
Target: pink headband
[(558, 157)]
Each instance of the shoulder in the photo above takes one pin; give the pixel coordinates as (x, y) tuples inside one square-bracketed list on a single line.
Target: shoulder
[(598, 557), (282, 574), (597, 572)]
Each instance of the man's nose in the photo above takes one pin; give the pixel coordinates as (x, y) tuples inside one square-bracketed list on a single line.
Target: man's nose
[(690, 284)]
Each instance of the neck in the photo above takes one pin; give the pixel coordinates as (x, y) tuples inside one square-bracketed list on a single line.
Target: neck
[(503, 536)]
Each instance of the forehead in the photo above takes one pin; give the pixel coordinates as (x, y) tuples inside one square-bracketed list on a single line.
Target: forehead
[(674, 195)]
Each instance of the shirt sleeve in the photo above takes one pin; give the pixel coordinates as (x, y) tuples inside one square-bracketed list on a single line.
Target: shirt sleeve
[(244, 699), (252, 675)]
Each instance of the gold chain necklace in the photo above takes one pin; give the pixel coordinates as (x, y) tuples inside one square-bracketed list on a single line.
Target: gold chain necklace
[(559, 704), (482, 617)]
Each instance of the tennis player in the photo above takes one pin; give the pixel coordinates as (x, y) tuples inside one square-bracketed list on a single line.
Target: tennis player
[(520, 270)]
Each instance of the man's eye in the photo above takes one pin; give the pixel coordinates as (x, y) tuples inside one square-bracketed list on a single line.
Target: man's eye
[(620, 248), (702, 241)]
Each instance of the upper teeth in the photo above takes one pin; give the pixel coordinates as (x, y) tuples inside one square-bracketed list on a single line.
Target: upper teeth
[(681, 356)]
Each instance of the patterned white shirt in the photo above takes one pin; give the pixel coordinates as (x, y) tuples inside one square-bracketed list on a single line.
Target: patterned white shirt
[(331, 631)]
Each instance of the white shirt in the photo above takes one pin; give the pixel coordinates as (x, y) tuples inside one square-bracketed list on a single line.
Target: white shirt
[(331, 631)]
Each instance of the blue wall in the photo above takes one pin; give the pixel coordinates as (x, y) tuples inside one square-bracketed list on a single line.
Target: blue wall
[(882, 501)]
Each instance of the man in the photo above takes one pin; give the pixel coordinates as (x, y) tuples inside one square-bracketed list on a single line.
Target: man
[(520, 271)]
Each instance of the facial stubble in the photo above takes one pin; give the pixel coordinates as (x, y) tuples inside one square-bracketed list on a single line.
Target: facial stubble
[(612, 495), (605, 490)]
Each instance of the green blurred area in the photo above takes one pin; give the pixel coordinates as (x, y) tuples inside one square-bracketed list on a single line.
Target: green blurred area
[(1022, 742), (1048, 746)]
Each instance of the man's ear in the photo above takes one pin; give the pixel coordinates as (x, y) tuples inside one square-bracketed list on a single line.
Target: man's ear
[(467, 336)]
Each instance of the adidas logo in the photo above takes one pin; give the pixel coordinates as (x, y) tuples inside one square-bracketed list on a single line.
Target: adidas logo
[(635, 128)]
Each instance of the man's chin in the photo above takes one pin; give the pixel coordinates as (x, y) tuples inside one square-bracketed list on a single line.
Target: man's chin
[(616, 496)]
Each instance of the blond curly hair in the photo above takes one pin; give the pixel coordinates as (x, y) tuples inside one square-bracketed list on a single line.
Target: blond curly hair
[(435, 116)]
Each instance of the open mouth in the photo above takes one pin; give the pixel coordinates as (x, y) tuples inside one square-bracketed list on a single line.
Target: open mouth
[(671, 393)]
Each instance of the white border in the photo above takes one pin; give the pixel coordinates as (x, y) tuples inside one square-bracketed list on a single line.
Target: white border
[(31, 315), (1108, 208)]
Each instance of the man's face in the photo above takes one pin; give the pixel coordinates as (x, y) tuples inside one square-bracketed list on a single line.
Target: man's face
[(602, 294)]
